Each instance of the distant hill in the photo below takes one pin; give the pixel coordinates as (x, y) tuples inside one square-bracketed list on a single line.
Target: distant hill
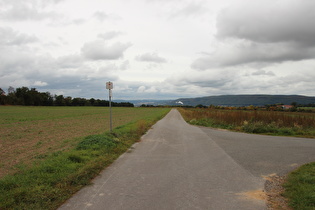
[(147, 102), (245, 100)]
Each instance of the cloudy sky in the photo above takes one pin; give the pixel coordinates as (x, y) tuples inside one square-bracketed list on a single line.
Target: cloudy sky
[(158, 49)]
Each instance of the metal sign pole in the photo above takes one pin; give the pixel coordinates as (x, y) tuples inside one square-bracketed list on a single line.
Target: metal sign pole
[(109, 86), (110, 110)]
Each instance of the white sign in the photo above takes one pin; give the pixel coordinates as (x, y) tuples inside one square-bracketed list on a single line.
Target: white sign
[(109, 85)]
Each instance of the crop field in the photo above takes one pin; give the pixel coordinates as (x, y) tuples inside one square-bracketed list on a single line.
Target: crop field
[(32, 133), (254, 121)]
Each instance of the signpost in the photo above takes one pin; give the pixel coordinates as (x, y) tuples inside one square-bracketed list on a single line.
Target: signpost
[(109, 86)]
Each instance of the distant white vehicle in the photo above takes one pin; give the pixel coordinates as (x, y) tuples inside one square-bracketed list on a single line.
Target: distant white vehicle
[(179, 102)]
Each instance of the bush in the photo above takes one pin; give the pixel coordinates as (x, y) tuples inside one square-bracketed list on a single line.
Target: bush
[(96, 142)]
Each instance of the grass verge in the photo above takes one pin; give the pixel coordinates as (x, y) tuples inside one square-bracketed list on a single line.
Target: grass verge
[(50, 182), (300, 188)]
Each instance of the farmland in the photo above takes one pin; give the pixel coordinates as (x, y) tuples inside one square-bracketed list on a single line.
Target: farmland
[(31, 133), (254, 121), (47, 154)]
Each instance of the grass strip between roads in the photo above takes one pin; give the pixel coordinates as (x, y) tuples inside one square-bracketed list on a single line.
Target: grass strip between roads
[(300, 187), (48, 183)]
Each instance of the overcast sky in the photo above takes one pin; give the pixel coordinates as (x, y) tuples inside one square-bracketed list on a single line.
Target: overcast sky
[(158, 49)]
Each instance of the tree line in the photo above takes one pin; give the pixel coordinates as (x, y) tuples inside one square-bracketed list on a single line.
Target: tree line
[(31, 97)]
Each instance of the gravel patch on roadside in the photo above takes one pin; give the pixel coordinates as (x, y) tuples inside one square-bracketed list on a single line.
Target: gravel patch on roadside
[(274, 191)]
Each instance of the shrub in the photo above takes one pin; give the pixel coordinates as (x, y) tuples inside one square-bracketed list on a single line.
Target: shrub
[(96, 142)]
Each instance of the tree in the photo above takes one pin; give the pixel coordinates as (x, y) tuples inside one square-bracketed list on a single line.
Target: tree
[(2, 92), (60, 100), (47, 99), (32, 97), (294, 104), (68, 101), (200, 106), (3, 97), (92, 101), (22, 97), (11, 90)]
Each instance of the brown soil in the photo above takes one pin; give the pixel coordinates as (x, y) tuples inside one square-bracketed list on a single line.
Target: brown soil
[(274, 191), (255, 194)]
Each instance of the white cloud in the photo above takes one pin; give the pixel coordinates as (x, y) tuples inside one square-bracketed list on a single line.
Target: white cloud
[(70, 61), (151, 57), (109, 35), (269, 21), (10, 37), (100, 50), (13, 10), (101, 16), (190, 9), (151, 89), (40, 84)]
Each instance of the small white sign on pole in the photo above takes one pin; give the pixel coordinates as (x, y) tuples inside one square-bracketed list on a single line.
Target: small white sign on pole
[(110, 86)]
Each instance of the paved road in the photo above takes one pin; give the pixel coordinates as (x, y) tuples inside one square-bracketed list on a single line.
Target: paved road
[(179, 166)]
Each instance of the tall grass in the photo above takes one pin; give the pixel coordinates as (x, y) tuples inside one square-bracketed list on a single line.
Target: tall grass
[(268, 122), (48, 183)]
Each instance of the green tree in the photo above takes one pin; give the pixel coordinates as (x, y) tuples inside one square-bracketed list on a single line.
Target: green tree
[(60, 100)]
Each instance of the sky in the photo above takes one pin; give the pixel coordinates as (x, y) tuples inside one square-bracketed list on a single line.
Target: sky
[(158, 49)]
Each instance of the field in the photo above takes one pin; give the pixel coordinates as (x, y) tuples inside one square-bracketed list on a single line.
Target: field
[(49, 153), (254, 121), (31, 133)]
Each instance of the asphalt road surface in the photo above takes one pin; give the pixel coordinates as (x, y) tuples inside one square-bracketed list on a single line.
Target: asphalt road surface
[(179, 166)]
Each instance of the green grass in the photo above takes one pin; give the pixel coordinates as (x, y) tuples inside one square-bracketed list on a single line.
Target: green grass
[(54, 177), (300, 188)]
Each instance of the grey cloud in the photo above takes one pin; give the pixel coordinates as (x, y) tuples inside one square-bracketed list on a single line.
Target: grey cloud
[(262, 32), (114, 66), (26, 10), (269, 21), (263, 73), (124, 65), (216, 79), (15, 59), (61, 75), (151, 57), (79, 21), (10, 37), (190, 10), (70, 61), (101, 16), (245, 81), (100, 50), (109, 35), (241, 52)]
